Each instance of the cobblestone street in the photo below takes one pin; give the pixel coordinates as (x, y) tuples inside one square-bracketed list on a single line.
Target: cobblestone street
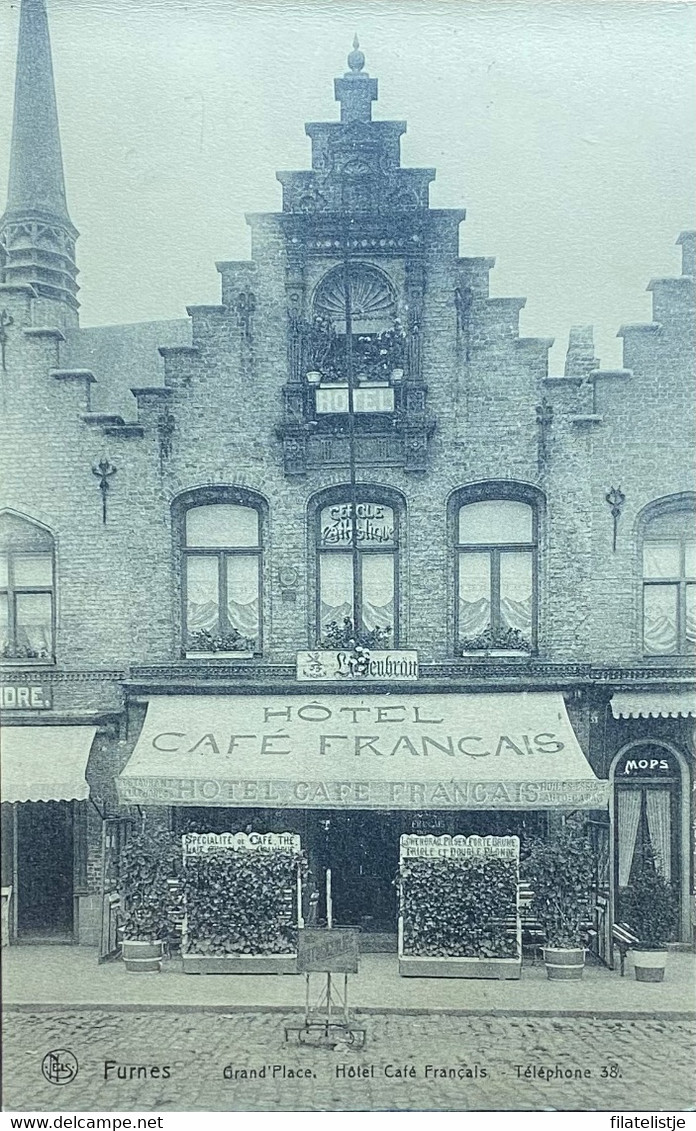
[(421, 1062)]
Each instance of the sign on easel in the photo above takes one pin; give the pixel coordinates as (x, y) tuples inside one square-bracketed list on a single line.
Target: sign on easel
[(323, 951)]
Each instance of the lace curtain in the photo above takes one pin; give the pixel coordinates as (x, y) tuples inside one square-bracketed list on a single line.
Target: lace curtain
[(657, 807), (629, 816)]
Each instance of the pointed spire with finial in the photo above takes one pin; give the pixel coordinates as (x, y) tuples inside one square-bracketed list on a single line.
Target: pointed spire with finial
[(37, 237), (356, 59), (356, 91)]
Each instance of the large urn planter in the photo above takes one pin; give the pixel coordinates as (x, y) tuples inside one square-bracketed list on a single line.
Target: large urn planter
[(141, 956), (649, 965), (564, 964)]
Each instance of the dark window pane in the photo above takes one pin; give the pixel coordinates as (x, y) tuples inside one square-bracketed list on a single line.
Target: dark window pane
[(660, 619)]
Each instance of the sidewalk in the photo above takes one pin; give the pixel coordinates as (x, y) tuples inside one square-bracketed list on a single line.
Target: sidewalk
[(44, 977)]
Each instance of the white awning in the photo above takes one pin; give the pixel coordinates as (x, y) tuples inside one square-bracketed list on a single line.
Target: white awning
[(45, 763), (653, 704), (397, 751)]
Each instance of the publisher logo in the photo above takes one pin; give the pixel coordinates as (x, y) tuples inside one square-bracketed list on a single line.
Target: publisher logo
[(59, 1066)]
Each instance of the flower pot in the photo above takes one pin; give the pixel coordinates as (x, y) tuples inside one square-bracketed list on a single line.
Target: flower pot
[(141, 956), (649, 965), (564, 963)]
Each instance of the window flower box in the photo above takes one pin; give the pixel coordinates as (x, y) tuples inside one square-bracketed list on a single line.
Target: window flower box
[(220, 655)]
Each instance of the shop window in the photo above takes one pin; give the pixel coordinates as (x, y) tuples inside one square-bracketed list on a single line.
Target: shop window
[(496, 576), (669, 584), (222, 579), (357, 574), (26, 591)]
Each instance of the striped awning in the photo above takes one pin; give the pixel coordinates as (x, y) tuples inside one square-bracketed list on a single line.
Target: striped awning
[(45, 763), (653, 704)]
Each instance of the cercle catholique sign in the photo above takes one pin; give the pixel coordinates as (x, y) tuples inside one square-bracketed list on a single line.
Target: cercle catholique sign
[(493, 751)]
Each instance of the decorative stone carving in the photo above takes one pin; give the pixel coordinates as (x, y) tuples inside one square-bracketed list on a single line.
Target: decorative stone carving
[(246, 306)]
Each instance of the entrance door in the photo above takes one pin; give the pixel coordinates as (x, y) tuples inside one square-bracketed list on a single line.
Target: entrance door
[(44, 870), (647, 816), (362, 850)]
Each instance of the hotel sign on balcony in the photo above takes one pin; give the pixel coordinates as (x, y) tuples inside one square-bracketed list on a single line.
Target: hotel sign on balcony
[(366, 398), (359, 665)]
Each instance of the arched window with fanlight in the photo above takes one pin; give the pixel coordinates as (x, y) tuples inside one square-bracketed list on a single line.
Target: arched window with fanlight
[(222, 577), (496, 567), (27, 611), (668, 560), (361, 297), (357, 572)]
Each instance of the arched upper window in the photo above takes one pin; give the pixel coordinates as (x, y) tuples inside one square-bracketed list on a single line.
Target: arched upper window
[(668, 554), (372, 299), (496, 575), (357, 586), (377, 340), (222, 578), (26, 590)]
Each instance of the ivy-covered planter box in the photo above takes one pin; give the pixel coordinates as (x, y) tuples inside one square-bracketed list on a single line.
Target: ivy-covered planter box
[(243, 900), (239, 963), (459, 913)]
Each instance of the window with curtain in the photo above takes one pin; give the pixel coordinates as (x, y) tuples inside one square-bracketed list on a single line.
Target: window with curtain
[(669, 584), (496, 571), (26, 591), (357, 590), (222, 579)]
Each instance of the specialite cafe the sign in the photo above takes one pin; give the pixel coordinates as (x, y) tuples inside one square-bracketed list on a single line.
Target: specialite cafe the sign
[(506, 751)]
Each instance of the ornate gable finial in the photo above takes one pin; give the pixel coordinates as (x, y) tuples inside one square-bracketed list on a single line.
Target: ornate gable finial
[(356, 59)]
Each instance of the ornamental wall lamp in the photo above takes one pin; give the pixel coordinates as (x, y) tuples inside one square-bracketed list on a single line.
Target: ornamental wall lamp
[(616, 499), (104, 471)]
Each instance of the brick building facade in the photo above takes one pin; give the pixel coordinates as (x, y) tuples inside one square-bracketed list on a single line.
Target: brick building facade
[(527, 535)]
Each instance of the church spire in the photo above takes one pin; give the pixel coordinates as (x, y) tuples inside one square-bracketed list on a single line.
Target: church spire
[(37, 238)]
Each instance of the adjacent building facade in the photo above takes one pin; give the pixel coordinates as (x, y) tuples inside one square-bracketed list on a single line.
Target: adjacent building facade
[(355, 449)]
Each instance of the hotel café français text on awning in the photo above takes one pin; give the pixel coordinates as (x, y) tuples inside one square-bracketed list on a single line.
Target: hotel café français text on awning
[(502, 751)]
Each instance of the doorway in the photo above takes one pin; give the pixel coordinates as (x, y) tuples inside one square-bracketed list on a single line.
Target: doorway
[(44, 871)]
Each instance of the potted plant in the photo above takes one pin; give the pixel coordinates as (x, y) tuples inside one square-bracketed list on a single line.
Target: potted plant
[(148, 864), (649, 908), (561, 872)]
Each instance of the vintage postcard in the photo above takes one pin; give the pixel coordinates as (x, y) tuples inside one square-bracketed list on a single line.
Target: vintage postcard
[(347, 556)]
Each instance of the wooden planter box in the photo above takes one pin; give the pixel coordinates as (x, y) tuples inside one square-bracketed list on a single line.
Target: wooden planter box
[(423, 966), (239, 963), (434, 966)]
